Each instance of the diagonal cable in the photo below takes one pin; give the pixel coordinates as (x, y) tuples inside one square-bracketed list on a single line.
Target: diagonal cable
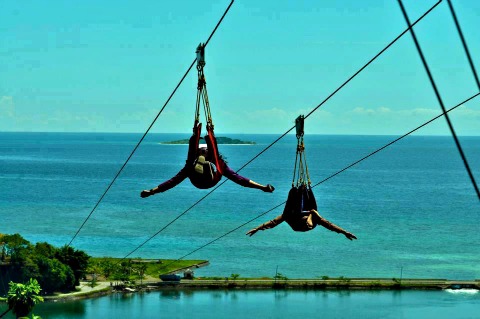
[(437, 93), (331, 176), (464, 43), (284, 134), (146, 132)]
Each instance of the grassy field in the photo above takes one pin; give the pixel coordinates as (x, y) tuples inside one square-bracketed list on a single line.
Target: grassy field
[(152, 268)]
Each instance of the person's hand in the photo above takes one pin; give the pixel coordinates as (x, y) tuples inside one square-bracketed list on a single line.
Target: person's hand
[(350, 235), (251, 232), (145, 193)]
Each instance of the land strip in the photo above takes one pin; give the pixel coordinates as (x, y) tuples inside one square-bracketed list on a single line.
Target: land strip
[(105, 287), (333, 283)]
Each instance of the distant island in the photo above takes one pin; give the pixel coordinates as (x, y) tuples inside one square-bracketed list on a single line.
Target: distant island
[(220, 140)]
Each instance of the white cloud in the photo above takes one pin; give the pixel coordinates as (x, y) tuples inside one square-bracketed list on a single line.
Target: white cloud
[(466, 111)]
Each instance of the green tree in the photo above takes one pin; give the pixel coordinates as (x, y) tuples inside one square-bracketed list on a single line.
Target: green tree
[(94, 270), (125, 270), (45, 249), (19, 252), (141, 268), (280, 276), (21, 298), (55, 276), (107, 268), (16, 247), (77, 260)]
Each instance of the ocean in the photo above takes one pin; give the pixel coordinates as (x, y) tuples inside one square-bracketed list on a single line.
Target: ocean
[(412, 205)]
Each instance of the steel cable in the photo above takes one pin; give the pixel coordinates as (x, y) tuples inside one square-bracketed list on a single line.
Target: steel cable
[(146, 132), (288, 131), (439, 98), (331, 176)]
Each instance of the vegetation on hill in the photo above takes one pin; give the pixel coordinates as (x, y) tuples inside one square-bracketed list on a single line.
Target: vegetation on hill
[(55, 269), (220, 140), (61, 269)]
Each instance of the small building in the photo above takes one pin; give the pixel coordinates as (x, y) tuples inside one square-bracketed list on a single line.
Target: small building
[(188, 274)]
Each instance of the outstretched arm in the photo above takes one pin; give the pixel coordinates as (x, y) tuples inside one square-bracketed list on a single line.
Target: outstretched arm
[(172, 182), (270, 224), (330, 226)]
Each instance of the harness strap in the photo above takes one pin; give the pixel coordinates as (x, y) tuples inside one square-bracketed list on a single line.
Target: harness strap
[(302, 177), (212, 147), (202, 95)]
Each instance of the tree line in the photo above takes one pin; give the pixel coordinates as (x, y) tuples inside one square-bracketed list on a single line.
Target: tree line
[(55, 269)]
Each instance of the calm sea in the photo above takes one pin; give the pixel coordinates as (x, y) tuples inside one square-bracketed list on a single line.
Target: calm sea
[(411, 206)]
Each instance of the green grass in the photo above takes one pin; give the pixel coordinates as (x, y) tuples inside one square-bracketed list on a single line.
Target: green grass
[(156, 267)]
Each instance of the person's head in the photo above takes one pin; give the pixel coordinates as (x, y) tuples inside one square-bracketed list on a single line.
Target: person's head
[(202, 149)]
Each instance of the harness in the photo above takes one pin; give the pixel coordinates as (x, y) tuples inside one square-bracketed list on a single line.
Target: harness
[(206, 171), (300, 197)]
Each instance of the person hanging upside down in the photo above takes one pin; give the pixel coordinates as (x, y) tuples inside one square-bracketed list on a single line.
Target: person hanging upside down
[(298, 219), (204, 167)]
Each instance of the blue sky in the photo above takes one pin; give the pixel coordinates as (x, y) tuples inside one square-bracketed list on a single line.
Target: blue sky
[(109, 66)]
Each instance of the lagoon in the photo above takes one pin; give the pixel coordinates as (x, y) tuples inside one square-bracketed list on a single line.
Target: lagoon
[(271, 304)]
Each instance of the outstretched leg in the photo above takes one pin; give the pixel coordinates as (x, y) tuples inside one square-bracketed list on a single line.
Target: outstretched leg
[(319, 220), (193, 143), (243, 181), (214, 155), (177, 179)]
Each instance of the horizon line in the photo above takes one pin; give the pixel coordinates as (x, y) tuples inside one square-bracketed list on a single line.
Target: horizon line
[(291, 133)]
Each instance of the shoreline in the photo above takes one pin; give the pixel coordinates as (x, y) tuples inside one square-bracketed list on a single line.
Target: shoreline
[(106, 288)]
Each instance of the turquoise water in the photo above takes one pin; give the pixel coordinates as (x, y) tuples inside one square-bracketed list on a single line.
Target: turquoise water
[(271, 304), (411, 206)]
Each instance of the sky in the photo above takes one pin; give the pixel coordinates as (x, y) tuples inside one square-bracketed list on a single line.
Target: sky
[(109, 66)]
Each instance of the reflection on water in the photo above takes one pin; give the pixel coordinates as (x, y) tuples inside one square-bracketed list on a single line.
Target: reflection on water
[(271, 304)]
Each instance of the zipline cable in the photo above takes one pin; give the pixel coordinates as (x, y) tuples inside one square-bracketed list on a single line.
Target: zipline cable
[(151, 125), (288, 131), (347, 81), (464, 43), (331, 176), (437, 93)]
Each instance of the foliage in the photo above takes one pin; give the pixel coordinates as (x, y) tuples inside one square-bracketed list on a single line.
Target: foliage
[(94, 270), (22, 298), (141, 268), (15, 247), (234, 276), (55, 276), (131, 269), (280, 276), (56, 269), (344, 281), (107, 267), (77, 260)]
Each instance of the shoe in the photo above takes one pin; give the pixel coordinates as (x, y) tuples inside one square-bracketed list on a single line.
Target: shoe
[(269, 189), (199, 164), (145, 193)]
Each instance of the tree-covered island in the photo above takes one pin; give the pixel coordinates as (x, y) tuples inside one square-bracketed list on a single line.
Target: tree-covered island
[(220, 140)]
